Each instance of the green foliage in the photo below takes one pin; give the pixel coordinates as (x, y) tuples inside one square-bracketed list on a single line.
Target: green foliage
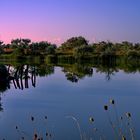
[(75, 47), (133, 53), (42, 47), (51, 49), (74, 42), (19, 52), (20, 43), (84, 50)]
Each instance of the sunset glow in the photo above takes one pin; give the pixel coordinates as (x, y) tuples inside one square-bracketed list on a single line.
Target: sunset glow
[(57, 20)]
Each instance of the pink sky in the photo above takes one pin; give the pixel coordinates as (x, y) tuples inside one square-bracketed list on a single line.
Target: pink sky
[(57, 20)]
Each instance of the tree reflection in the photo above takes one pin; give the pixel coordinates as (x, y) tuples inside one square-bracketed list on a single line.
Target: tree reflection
[(1, 108), (24, 76), (21, 75), (4, 82), (75, 72), (44, 70), (108, 68)]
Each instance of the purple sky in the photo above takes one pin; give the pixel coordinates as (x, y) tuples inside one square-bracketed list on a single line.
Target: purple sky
[(57, 20)]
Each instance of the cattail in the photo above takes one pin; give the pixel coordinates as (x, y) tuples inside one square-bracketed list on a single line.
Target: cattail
[(91, 119), (32, 118), (35, 136), (106, 107), (123, 138), (47, 134), (112, 101), (46, 117), (128, 115), (16, 127)]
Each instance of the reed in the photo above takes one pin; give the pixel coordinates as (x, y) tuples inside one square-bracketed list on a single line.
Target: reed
[(122, 126)]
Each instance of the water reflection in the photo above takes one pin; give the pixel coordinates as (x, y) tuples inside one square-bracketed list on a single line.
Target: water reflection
[(61, 101), (4, 81), (21, 75), (108, 70), (76, 72)]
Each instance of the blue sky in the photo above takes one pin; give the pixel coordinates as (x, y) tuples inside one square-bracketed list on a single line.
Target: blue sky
[(57, 20)]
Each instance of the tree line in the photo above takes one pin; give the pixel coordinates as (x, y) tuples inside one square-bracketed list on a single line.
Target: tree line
[(26, 47), (75, 46)]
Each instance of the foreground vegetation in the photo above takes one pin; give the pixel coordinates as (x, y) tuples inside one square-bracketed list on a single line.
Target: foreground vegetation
[(74, 48), (121, 126)]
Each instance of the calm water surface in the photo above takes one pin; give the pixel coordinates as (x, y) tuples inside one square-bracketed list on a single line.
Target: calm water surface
[(57, 98)]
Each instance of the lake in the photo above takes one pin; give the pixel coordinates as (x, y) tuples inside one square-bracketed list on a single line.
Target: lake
[(69, 102)]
